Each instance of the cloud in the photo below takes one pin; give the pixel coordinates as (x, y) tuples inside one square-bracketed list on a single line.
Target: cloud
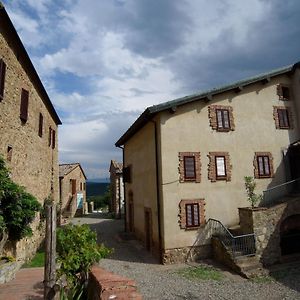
[(104, 62)]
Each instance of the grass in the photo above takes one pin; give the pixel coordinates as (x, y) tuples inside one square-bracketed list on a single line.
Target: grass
[(201, 272), (37, 261), (263, 279)]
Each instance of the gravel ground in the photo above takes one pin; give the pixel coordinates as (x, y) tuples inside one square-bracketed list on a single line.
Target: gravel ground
[(156, 281)]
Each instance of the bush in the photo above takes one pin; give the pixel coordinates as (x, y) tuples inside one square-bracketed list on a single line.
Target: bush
[(250, 185), (77, 250), (17, 207)]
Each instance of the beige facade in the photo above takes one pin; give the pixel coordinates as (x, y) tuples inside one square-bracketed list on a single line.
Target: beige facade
[(72, 185), (116, 204), (188, 127), (28, 146)]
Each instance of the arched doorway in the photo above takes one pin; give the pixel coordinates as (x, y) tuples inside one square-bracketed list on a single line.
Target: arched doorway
[(290, 235)]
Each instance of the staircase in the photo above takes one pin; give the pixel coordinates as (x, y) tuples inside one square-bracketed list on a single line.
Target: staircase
[(235, 250)]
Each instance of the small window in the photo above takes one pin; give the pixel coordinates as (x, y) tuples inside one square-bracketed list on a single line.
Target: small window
[(223, 122), (53, 139), (81, 186), (189, 168), (283, 118), (84, 186), (263, 164), (24, 105), (127, 174), (192, 215), (283, 91), (220, 167), (2, 78), (41, 125), (50, 137), (9, 153)]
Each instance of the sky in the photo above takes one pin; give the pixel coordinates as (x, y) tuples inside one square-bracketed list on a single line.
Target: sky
[(103, 62)]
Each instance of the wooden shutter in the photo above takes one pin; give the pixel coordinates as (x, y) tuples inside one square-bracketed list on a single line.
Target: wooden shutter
[(53, 138), (50, 137), (189, 167), (24, 105), (73, 186), (2, 78), (41, 125)]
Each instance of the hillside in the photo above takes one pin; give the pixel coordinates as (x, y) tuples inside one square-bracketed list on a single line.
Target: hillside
[(96, 188)]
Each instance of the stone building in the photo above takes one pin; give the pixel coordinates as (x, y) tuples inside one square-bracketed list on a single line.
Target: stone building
[(185, 160), (72, 190), (28, 127), (116, 204)]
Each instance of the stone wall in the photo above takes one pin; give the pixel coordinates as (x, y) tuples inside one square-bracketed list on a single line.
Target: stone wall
[(265, 224), (186, 254), (32, 161)]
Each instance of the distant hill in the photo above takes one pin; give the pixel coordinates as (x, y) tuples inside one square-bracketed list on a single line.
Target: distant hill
[(96, 188)]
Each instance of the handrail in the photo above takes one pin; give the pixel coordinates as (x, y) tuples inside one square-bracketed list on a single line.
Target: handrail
[(282, 184), (241, 245)]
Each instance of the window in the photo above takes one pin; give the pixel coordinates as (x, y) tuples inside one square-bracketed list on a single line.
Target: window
[(53, 139), (81, 186), (24, 105), (263, 165), (189, 167), (2, 78), (127, 174), (219, 167), (73, 186), (283, 91), (9, 153), (41, 125), (50, 137), (191, 213), (223, 119), (283, 117)]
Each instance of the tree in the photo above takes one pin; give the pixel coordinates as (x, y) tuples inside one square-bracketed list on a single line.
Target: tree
[(250, 186)]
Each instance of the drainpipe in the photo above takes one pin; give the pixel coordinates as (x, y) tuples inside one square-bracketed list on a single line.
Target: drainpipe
[(125, 196), (157, 192), (119, 198)]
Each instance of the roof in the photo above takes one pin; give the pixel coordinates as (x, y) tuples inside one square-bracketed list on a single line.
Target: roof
[(151, 111), (65, 169), (10, 33), (117, 166)]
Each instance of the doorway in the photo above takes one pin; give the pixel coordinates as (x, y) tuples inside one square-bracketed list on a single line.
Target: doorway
[(130, 212), (290, 235)]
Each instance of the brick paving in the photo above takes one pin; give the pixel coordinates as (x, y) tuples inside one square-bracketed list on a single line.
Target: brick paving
[(28, 285)]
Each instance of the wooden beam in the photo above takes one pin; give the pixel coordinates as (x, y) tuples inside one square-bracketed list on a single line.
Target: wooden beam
[(266, 80), (239, 89)]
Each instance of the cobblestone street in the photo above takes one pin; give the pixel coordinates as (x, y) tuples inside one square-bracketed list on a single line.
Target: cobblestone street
[(156, 281)]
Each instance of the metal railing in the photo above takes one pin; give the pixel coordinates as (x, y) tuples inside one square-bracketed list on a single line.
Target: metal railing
[(241, 245), (280, 193)]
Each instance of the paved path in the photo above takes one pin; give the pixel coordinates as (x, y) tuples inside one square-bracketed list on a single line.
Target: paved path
[(156, 281), (28, 284)]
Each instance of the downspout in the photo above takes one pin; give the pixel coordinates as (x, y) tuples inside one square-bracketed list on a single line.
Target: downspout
[(119, 198), (125, 196), (157, 192)]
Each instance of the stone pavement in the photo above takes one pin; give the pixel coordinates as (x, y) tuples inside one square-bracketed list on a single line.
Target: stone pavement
[(28, 285)]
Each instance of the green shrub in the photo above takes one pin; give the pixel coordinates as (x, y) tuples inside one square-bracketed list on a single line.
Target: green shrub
[(77, 250), (250, 185), (17, 207)]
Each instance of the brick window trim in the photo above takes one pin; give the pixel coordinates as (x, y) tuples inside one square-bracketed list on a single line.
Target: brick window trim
[(212, 114), (182, 213), (280, 92), (255, 164), (276, 117), (182, 178), (212, 170)]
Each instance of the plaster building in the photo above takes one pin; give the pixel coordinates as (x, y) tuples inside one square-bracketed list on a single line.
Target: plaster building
[(28, 127), (185, 160), (72, 189), (116, 205)]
